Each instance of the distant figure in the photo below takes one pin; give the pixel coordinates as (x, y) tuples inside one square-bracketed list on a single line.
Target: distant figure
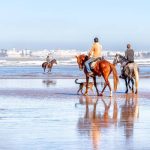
[(48, 59), (95, 52), (48, 64), (129, 55)]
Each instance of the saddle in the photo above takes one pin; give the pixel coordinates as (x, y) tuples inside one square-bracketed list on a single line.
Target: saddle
[(128, 68), (92, 64), (129, 65)]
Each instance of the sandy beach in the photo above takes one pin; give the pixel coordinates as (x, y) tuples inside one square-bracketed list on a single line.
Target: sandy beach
[(48, 114)]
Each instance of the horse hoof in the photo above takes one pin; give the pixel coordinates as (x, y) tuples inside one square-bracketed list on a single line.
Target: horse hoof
[(110, 95), (101, 94)]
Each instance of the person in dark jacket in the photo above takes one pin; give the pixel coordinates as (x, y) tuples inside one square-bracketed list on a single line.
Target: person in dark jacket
[(129, 55)]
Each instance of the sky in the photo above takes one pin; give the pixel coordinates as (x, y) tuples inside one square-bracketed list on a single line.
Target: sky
[(72, 24)]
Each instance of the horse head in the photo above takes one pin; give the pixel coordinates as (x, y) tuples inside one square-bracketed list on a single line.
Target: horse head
[(54, 61), (81, 59), (116, 59), (119, 59)]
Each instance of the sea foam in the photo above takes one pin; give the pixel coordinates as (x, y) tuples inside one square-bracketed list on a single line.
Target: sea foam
[(63, 57)]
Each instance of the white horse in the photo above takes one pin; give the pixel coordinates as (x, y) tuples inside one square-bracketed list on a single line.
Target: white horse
[(131, 72)]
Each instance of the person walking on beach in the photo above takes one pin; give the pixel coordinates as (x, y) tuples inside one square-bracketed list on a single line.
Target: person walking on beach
[(129, 55), (95, 52)]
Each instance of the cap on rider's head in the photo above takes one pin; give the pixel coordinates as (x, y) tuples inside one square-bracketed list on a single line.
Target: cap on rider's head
[(128, 45), (96, 40)]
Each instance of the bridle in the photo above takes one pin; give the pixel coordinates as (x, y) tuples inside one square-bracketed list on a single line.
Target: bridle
[(119, 59)]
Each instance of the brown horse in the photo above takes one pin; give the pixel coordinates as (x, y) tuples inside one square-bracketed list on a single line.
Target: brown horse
[(101, 68), (49, 65)]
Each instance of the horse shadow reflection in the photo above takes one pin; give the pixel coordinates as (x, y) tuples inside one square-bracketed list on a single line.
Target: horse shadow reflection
[(49, 83), (129, 114), (95, 119), (103, 112)]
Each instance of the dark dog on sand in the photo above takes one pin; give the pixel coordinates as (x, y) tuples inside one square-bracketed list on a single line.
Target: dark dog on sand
[(83, 84)]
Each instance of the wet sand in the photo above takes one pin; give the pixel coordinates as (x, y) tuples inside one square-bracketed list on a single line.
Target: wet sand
[(48, 114)]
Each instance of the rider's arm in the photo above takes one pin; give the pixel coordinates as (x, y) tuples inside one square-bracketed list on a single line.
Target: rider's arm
[(126, 54), (91, 51)]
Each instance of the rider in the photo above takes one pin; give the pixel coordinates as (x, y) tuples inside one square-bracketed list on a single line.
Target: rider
[(95, 52), (129, 55), (48, 59)]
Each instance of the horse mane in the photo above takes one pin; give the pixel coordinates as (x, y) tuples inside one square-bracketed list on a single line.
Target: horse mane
[(53, 60), (86, 57), (123, 57)]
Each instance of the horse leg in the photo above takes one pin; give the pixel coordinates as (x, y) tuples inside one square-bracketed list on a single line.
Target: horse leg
[(132, 85), (129, 83), (101, 94), (106, 83), (87, 83), (126, 85), (44, 69), (136, 91), (95, 84), (49, 70)]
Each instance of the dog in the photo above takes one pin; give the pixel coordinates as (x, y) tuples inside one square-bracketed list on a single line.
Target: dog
[(83, 84)]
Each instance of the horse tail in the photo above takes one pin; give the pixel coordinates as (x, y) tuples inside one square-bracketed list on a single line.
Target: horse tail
[(115, 76), (76, 81), (136, 73), (138, 69)]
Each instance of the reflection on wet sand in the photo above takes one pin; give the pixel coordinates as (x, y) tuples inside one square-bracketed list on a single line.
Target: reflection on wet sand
[(102, 113), (49, 83), (94, 120), (129, 113)]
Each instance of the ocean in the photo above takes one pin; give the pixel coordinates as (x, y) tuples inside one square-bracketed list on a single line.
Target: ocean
[(27, 64), (58, 71)]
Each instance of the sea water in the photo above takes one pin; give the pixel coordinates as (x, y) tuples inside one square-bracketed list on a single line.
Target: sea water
[(58, 71)]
